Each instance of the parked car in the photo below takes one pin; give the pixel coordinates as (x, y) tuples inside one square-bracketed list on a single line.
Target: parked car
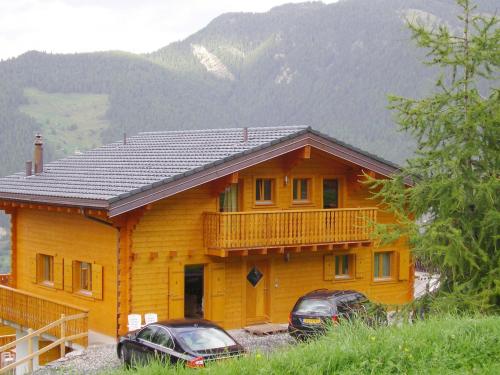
[(317, 310), (192, 342)]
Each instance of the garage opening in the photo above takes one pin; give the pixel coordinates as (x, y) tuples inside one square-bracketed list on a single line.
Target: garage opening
[(193, 291)]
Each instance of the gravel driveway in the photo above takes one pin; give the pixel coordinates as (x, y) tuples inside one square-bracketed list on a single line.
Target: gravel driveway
[(98, 358)]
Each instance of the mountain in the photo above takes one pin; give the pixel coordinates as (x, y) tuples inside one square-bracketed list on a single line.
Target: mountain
[(327, 66)]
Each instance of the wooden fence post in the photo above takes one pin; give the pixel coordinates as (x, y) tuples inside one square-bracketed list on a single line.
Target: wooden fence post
[(63, 335), (30, 351)]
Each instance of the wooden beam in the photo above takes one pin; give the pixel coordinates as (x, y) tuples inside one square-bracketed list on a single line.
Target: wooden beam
[(217, 252), (219, 185), (293, 158), (239, 252)]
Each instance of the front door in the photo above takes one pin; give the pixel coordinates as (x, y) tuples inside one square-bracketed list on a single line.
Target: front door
[(257, 292)]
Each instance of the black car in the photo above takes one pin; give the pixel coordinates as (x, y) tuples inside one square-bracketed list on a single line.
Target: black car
[(192, 342), (315, 311)]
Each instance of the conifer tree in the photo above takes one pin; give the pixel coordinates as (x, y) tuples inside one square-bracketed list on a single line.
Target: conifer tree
[(446, 198)]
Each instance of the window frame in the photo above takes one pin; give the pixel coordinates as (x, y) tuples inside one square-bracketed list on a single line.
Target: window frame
[(263, 202), (77, 278), (40, 269), (341, 181), (351, 267), (310, 184), (392, 258)]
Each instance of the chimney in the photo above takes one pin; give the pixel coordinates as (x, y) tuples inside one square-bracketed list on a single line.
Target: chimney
[(245, 134), (29, 168), (38, 154), (124, 138)]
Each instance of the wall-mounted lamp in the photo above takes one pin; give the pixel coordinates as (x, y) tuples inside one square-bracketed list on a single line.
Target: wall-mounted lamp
[(286, 180), (286, 257)]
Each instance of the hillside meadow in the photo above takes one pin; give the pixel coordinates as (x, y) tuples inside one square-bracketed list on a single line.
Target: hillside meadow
[(446, 345)]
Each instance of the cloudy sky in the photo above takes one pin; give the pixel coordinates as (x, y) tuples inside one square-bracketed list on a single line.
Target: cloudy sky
[(92, 25)]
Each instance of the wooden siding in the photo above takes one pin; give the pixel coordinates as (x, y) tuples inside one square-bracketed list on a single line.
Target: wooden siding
[(69, 237), (169, 236)]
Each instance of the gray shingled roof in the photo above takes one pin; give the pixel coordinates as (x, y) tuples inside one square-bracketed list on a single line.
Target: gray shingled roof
[(148, 159)]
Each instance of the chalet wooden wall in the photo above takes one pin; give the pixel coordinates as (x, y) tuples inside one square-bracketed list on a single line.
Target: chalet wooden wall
[(70, 236), (169, 236)]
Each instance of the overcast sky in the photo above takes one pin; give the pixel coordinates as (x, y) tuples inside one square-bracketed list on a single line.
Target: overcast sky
[(93, 25)]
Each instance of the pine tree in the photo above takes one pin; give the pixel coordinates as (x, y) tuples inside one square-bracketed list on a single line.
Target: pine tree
[(446, 198)]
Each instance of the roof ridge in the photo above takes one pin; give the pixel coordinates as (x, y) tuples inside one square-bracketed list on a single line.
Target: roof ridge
[(262, 128)]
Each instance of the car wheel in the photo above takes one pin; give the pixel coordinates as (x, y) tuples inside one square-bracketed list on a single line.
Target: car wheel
[(123, 357)]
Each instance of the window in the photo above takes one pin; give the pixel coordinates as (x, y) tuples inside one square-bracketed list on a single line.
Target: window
[(301, 189), (147, 333), (228, 200), (344, 266), (205, 339), (330, 193), (84, 276), (382, 265), (163, 338), (46, 269), (264, 191)]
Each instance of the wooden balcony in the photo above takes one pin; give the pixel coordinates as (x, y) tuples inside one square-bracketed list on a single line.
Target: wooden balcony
[(26, 310), (291, 228)]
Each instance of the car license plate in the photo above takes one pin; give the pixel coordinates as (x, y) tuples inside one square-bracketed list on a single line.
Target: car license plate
[(311, 321)]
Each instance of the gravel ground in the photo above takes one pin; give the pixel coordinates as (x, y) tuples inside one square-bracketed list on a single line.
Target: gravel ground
[(98, 358)]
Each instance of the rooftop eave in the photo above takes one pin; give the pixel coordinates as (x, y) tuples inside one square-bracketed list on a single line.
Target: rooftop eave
[(53, 200)]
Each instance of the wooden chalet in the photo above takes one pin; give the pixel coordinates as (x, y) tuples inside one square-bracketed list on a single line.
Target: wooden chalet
[(232, 225)]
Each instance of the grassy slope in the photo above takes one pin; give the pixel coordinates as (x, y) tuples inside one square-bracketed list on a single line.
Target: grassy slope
[(71, 121), (439, 346)]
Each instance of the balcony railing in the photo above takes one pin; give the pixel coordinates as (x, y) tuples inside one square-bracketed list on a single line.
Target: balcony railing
[(31, 311), (240, 230)]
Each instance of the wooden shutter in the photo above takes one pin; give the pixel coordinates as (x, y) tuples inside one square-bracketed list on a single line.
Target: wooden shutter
[(58, 272), (33, 263), (68, 275), (404, 265), (328, 267), (217, 292), (97, 281), (176, 293)]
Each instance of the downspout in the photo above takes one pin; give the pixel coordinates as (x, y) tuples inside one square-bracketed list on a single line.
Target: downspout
[(118, 229)]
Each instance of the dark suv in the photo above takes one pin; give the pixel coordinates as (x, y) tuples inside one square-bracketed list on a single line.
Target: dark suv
[(316, 310)]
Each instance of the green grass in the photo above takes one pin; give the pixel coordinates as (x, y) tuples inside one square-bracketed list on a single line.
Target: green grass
[(70, 121), (449, 345)]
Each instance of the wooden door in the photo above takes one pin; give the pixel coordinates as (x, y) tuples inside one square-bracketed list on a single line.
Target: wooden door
[(176, 292), (257, 296), (217, 272)]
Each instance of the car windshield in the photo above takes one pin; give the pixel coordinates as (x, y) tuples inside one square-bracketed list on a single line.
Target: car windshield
[(202, 339), (313, 305)]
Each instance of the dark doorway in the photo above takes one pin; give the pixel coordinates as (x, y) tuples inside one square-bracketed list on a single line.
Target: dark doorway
[(193, 291), (330, 193)]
